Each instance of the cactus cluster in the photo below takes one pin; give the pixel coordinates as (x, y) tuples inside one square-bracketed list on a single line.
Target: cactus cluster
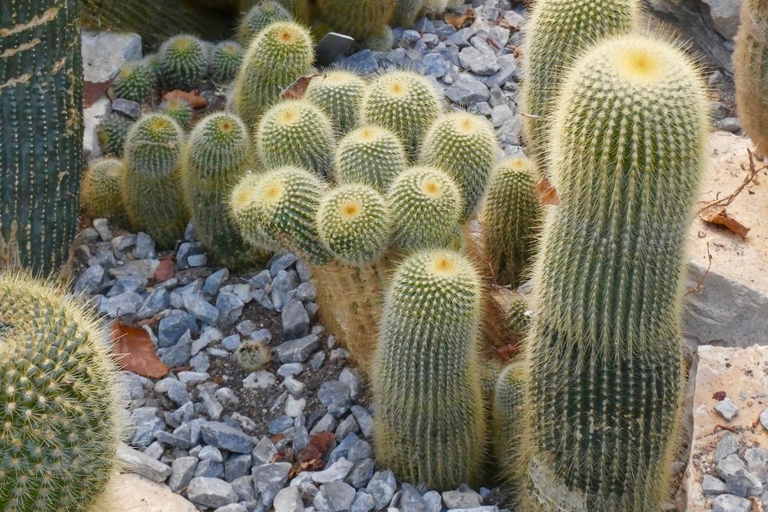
[(112, 133), (225, 61), (183, 62), (750, 71), (134, 82), (179, 110), (370, 155), (101, 190), (338, 94), (258, 17)]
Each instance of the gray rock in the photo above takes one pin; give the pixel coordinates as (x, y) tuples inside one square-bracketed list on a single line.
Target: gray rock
[(336, 471), (175, 390), (295, 320), (230, 308), (105, 53), (459, 38), (186, 250), (141, 464), (156, 301), (281, 261), (479, 62), (198, 307), (237, 466), (182, 471), (435, 65), (172, 328), (729, 124), (433, 501), (261, 297), (172, 440), (361, 473), (306, 292), (234, 507), (326, 424), (280, 424), (334, 497), (214, 281), (467, 90), (335, 396), (725, 16), (351, 378), (364, 420), (757, 462), (288, 500), (210, 453), (127, 303), (268, 475), (209, 469), (127, 107), (738, 479), (142, 268), (243, 486), (90, 281), (145, 247), (713, 486), (179, 354), (264, 451), (284, 286), (347, 426), (458, 499), (359, 451), (382, 487), (727, 409), (361, 62), (226, 437), (125, 284), (211, 492), (764, 418), (411, 499), (297, 351), (728, 445), (146, 423), (200, 362), (728, 503), (363, 502), (197, 260)]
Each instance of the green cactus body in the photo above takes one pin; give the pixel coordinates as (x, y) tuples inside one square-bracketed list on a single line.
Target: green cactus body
[(152, 191), (112, 133), (507, 418), (606, 380), (358, 19), (370, 155), (183, 62), (179, 110), (430, 418), (511, 217), (435, 6), (258, 18), (406, 13), (296, 132), (225, 62), (274, 60), (100, 192), (381, 40), (253, 355), (426, 206), (338, 94), (135, 82), (354, 224), (559, 31), (518, 321), (58, 400), (152, 62), (404, 102), (299, 9), (465, 146), (750, 71)]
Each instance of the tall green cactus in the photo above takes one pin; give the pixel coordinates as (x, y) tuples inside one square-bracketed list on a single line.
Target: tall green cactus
[(430, 415), (604, 350), (559, 31), (406, 12), (750, 72), (507, 415), (41, 132)]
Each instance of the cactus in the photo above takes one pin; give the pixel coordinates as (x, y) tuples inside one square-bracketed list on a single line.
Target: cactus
[(511, 217), (338, 94), (354, 224), (430, 417), (100, 192), (518, 321), (507, 415), (358, 19), (59, 400), (465, 146), (253, 355), (406, 12), (606, 379), (559, 31), (434, 6), (135, 82), (152, 63), (112, 133), (151, 186), (299, 9), (179, 110), (41, 132), (381, 41), (225, 61), (405, 102), (258, 18), (274, 60), (370, 155), (244, 210), (183, 62), (750, 71), (426, 206), (296, 132)]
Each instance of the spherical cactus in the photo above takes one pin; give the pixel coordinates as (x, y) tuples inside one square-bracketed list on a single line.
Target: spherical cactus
[(225, 61), (152, 191), (511, 219), (517, 318), (258, 18), (371, 155), (275, 59), (100, 190), (750, 71), (134, 82), (299, 9), (405, 102), (465, 146), (253, 355), (58, 400), (426, 206), (152, 63), (507, 416), (183, 62), (381, 40), (296, 132), (358, 19), (244, 211), (605, 345), (338, 94), (354, 224), (430, 418), (434, 6), (558, 32), (406, 12), (179, 110), (112, 133)]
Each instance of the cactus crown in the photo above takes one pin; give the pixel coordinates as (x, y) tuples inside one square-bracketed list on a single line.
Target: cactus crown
[(154, 144), (112, 133), (286, 44), (259, 17), (226, 59), (338, 94), (218, 144), (370, 155), (178, 109), (134, 82), (183, 61)]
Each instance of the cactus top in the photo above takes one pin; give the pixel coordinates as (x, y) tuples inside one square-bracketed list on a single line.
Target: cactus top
[(153, 146), (259, 17), (370, 155), (218, 144), (282, 46)]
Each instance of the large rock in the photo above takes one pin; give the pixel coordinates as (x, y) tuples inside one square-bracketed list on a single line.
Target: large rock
[(92, 116), (104, 53), (725, 16), (133, 493)]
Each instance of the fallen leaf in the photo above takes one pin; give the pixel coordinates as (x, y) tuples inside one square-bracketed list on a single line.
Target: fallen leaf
[(518, 52), (718, 215), (164, 270), (458, 20), (319, 444), (311, 465), (547, 192), (194, 99), (133, 350), (296, 90), (93, 92), (719, 396)]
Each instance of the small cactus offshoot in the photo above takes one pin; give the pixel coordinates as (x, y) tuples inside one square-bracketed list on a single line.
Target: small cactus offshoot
[(371, 155), (179, 110), (225, 61), (112, 133), (134, 82), (338, 94), (183, 62), (101, 190), (253, 355), (258, 18)]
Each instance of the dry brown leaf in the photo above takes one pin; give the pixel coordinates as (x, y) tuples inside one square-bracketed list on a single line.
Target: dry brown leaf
[(547, 192), (319, 444), (458, 20), (194, 99), (93, 92), (133, 350), (164, 270), (296, 90), (719, 215)]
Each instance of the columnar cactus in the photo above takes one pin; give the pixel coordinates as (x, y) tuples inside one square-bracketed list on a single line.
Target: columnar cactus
[(152, 191), (511, 217), (406, 12), (381, 41), (430, 417), (404, 102), (426, 206), (605, 359), (465, 146), (296, 132), (134, 82), (517, 320), (371, 155), (507, 415), (112, 133), (339, 94), (559, 31), (225, 61), (275, 59), (750, 70), (358, 19), (183, 62), (101, 190), (58, 400), (179, 110), (259, 17)]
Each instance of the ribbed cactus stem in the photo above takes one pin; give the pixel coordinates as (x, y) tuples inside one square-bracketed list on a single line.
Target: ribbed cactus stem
[(358, 19), (258, 18), (750, 71), (371, 155), (338, 94), (101, 191), (406, 12), (507, 422)]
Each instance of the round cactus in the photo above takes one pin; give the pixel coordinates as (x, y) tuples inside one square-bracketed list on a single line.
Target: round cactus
[(226, 59), (430, 416), (253, 355), (183, 62), (434, 6), (244, 210), (338, 94), (179, 110), (258, 18), (358, 19), (134, 82), (381, 41), (296, 132), (518, 321), (405, 102), (112, 133), (152, 191), (152, 63), (750, 71), (354, 224), (426, 206), (58, 400), (370, 155), (100, 190), (465, 146), (507, 415), (406, 12), (276, 58)]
